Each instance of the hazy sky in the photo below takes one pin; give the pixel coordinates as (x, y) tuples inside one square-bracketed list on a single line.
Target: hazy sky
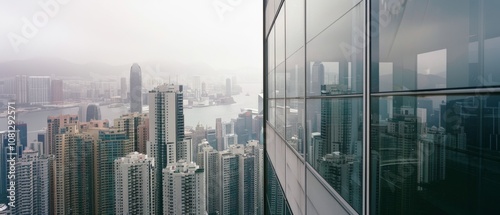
[(225, 34)]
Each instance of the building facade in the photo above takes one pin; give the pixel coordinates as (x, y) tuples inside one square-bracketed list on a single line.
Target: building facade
[(21, 89), (39, 90), (32, 183), (110, 145), (72, 181), (135, 85), (183, 189), (381, 107), (134, 184), (56, 92), (135, 126), (166, 123)]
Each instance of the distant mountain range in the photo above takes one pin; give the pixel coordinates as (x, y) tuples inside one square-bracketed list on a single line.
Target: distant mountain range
[(68, 70)]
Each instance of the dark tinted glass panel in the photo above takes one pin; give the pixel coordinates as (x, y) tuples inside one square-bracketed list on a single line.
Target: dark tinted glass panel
[(335, 57), (295, 124), (420, 45), (335, 147), (435, 155), (275, 200)]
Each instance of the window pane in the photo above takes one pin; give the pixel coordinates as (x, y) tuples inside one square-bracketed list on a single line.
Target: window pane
[(271, 84), (294, 26), (457, 45), (270, 51), (322, 13), (335, 57), (435, 155), (295, 124), (272, 112), (279, 27), (280, 116), (295, 75), (270, 12), (335, 150), (280, 81)]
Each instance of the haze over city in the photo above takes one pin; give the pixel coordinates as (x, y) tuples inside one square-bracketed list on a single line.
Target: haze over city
[(223, 35)]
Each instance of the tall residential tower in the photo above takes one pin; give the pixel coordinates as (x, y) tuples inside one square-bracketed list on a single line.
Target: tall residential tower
[(135, 88)]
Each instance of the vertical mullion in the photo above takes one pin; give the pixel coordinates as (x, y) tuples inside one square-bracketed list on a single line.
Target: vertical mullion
[(306, 127), (366, 109)]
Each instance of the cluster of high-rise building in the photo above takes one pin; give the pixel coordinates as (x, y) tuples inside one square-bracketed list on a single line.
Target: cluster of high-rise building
[(146, 163), (34, 90)]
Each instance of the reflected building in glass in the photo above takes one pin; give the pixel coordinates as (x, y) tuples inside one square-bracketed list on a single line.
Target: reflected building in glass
[(381, 107)]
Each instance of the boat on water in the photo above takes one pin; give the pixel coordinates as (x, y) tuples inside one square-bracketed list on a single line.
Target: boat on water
[(116, 105)]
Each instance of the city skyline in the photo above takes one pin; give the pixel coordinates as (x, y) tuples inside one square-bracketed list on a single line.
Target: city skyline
[(214, 25)]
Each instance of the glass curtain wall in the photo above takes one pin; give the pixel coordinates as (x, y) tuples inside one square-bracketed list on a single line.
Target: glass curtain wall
[(386, 106)]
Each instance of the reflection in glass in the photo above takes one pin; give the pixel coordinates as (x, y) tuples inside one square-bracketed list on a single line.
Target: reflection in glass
[(295, 124), (335, 56), (435, 155), (431, 69), (432, 45), (280, 81), (294, 26), (271, 85), (271, 111), (276, 201), (279, 27), (280, 116), (335, 150), (295, 75)]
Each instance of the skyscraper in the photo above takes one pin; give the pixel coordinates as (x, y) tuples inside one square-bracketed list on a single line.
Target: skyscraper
[(229, 180), (88, 112), (39, 90), (54, 123), (131, 124), (73, 171), (37, 147), (134, 184), (123, 88), (135, 88), (23, 132), (183, 188), (166, 123), (143, 136), (32, 183), (21, 89), (207, 158), (56, 92), (211, 135), (4, 156), (110, 145), (220, 138)]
